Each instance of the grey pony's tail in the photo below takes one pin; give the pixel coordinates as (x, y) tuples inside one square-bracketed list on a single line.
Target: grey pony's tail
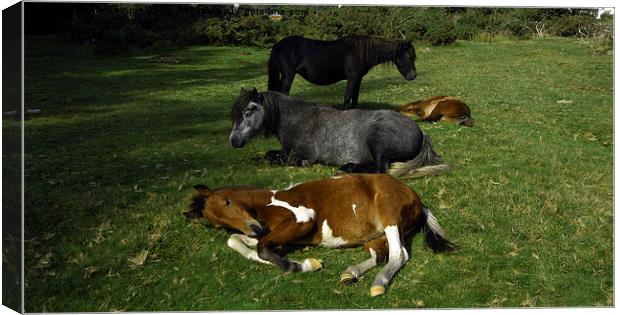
[(426, 163)]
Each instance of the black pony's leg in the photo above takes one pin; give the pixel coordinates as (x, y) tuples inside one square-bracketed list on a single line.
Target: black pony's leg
[(352, 92), (356, 93), (287, 81)]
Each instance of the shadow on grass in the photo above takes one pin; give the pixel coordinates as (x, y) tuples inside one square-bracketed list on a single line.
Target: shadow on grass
[(316, 93), (107, 83)]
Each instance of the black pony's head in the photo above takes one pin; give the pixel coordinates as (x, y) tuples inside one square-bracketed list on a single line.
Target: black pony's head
[(251, 113), (405, 60)]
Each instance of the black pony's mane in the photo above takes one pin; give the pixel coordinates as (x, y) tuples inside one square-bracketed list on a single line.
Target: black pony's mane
[(374, 50), (268, 99)]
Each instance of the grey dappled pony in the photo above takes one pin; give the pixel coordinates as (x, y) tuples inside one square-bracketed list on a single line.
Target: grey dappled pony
[(360, 141)]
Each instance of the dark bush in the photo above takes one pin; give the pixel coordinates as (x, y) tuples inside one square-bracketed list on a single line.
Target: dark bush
[(144, 25), (516, 28), (440, 32), (137, 35), (112, 42), (570, 25)]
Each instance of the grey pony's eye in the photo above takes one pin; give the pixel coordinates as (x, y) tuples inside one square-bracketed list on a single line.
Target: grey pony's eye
[(249, 110)]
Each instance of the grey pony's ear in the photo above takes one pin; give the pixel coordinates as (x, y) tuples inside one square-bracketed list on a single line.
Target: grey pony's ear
[(202, 189), (243, 91), (255, 96)]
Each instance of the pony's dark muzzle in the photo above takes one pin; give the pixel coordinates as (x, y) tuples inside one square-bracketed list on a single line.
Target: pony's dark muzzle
[(411, 76), (467, 122), (257, 229), (236, 141)]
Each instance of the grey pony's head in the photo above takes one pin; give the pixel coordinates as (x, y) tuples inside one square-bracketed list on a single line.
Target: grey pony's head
[(248, 117)]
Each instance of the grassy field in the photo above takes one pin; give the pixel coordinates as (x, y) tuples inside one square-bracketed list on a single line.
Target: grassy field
[(111, 160)]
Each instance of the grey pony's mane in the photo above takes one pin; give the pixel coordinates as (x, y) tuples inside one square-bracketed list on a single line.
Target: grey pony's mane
[(269, 102), (272, 103)]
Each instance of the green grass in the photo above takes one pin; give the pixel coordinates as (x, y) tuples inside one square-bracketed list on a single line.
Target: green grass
[(111, 160)]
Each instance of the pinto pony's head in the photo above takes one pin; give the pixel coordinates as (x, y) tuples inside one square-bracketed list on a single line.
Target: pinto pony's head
[(221, 211), (251, 113), (405, 60)]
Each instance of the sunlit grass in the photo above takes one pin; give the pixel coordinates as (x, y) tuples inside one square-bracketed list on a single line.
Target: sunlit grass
[(111, 160)]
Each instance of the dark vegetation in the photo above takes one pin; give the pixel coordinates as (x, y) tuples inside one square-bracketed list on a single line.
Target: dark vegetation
[(113, 28)]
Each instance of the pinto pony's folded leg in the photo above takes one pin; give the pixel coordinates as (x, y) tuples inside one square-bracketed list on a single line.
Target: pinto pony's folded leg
[(398, 256), (239, 243), (377, 248), (282, 234)]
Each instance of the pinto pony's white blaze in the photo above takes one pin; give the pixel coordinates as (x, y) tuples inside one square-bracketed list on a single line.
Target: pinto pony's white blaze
[(328, 239), (354, 206), (302, 214)]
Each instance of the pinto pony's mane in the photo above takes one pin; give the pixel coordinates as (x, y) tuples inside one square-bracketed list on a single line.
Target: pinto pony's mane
[(376, 50), (198, 203), (269, 102)]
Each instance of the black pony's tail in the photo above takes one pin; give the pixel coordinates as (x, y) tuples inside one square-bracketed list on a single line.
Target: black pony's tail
[(426, 163), (274, 81), (434, 235)]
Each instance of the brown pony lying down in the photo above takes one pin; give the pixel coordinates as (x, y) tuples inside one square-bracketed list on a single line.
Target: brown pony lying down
[(376, 211), (440, 108)]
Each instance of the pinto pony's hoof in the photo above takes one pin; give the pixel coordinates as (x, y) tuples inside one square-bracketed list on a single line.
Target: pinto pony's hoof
[(347, 278), (311, 264), (377, 290)]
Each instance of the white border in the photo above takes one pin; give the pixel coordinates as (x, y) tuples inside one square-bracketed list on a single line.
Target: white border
[(476, 3)]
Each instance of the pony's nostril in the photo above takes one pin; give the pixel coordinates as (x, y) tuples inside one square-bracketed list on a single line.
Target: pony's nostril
[(256, 227), (257, 230), (235, 142)]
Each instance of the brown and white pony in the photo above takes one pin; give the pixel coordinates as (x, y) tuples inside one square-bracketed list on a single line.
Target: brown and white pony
[(440, 108), (373, 210)]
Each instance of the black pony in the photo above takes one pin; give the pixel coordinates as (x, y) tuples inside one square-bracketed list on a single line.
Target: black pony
[(327, 62), (356, 140)]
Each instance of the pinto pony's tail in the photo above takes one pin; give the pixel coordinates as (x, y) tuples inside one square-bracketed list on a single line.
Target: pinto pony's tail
[(426, 163), (434, 235), (274, 81)]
